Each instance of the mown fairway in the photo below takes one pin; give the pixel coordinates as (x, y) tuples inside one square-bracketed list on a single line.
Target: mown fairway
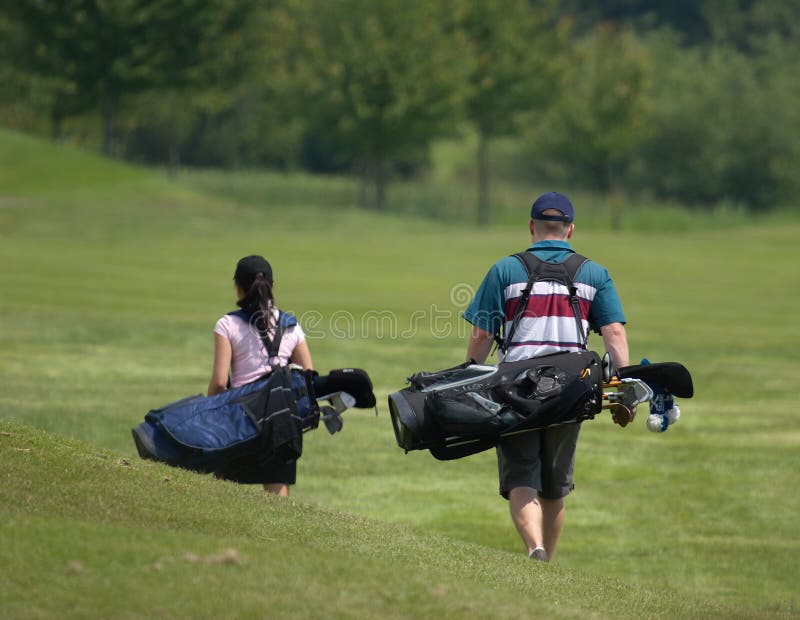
[(111, 281)]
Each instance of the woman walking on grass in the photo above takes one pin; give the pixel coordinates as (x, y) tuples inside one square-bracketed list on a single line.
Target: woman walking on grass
[(249, 344)]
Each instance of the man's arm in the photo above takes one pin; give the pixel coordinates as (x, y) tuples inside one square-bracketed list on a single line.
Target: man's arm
[(480, 344), (616, 343), (485, 313)]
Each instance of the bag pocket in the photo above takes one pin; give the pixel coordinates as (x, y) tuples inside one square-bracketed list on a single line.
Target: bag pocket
[(469, 413)]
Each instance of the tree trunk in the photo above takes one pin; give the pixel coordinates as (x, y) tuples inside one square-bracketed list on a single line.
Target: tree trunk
[(57, 121), (173, 158), (614, 198), (483, 179), (381, 177), (110, 104), (362, 171)]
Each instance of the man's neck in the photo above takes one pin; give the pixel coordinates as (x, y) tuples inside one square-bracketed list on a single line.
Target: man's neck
[(536, 239)]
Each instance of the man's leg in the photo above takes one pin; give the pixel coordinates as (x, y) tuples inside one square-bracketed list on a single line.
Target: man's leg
[(519, 470), (527, 515), (552, 522), (559, 444), (538, 521)]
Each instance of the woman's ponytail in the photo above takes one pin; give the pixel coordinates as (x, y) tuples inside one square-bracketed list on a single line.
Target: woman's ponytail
[(258, 302), (253, 276)]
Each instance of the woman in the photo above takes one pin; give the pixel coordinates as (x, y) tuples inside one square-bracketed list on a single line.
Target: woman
[(240, 353)]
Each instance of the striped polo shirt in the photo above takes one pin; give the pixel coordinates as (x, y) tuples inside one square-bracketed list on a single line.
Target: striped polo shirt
[(548, 323)]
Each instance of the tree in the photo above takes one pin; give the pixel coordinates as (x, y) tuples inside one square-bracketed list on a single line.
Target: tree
[(602, 113), (749, 25), (687, 17), (103, 51), (376, 79), (512, 71), (724, 126)]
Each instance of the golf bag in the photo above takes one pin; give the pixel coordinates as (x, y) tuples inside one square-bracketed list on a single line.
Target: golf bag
[(468, 408), (260, 422)]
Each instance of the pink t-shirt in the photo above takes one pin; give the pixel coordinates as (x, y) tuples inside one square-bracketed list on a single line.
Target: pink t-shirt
[(249, 360)]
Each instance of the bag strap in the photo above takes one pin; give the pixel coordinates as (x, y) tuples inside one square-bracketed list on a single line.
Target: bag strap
[(538, 269), (571, 267), (285, 319), (530, 270)]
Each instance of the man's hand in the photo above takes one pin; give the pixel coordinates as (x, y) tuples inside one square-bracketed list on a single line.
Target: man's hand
[(621, 414)]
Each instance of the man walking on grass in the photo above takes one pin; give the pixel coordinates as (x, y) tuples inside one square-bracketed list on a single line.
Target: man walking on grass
[(535, 468)]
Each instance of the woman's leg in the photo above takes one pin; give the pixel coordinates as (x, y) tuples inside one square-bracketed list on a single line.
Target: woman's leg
[(278, 488)]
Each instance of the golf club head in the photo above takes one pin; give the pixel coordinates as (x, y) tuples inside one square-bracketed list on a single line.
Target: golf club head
[(332, 419), (636, 392), (340, 401)]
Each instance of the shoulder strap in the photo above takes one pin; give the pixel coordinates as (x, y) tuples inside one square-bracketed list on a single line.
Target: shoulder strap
[(573, 264), (285, 319), (530, 263), (571, 267), (539, 269), (241, 314)]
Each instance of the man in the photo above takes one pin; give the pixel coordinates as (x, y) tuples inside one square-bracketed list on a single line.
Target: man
[(535, 468)]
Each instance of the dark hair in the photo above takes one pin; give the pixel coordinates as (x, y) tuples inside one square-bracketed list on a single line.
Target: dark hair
[(547, 227), (258, 299)]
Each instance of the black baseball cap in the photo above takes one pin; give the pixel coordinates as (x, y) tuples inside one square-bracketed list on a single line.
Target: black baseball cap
[(249, 267), (553, 200)]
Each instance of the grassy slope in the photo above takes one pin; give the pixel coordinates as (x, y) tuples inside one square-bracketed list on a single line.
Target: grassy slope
[(91, 534), (108, 293)]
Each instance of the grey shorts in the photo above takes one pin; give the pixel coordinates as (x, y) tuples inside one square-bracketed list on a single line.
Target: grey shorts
[(543, 460)]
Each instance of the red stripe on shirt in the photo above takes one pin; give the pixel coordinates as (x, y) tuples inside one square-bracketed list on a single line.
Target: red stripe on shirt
[(547, 305)]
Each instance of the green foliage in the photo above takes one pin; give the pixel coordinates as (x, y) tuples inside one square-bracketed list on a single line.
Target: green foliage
[(603, 109), (379, 80), (687, 17), (724, 121), (748, 25), (106, 51), (514, 50), (25, 99), (683, 101)]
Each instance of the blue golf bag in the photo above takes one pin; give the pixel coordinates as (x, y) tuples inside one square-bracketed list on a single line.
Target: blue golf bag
[(263, 420)]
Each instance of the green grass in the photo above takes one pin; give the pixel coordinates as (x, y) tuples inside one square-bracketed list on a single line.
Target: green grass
[(109, 289), (451, 198), (93, 534)]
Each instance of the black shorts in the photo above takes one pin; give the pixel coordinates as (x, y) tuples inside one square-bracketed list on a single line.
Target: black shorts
[(543, 460), (246, 471)]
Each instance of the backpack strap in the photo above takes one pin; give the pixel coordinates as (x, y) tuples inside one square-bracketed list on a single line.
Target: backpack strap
[(538, 269), (285, 320)]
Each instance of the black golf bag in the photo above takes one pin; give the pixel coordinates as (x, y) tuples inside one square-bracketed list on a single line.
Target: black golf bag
[(468, 408), (260, 422)]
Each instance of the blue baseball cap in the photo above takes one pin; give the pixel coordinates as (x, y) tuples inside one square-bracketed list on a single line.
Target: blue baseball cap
[(553, 200)]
